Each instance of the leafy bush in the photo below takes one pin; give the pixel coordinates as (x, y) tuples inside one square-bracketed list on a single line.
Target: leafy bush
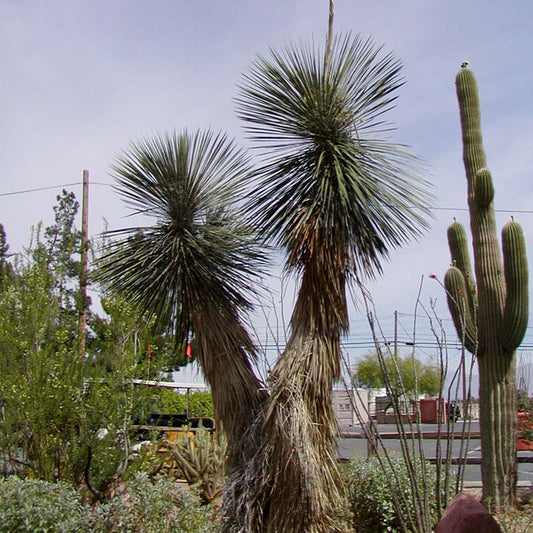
[(141, 506), (154, 507), (201, 404), (40, 507), (169, 401), (523, 401), (370, 488)]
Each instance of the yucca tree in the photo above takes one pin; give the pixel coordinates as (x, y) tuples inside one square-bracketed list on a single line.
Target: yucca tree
[(194, 263), (338, 197)]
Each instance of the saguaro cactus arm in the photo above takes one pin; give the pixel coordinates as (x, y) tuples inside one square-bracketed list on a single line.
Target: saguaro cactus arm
[(516, 312), (459, 305), (483, 188), (458, 245), (473, 152)]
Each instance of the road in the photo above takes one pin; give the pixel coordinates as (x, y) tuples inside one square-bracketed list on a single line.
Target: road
[(350, 446)]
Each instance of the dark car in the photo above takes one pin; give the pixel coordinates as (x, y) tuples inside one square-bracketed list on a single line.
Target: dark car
[(453, 411)]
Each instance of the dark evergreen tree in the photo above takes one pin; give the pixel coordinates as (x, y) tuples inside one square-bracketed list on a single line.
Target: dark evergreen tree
[(5, 267)]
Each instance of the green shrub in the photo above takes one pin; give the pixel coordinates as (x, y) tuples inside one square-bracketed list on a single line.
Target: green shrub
[(170, 401), (31, 505), (154, 507), (201, 404), (523, 401), (370, 487), (140, 506)]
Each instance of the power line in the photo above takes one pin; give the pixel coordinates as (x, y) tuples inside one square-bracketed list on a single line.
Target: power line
[(370, 344), (522, 211), (37, 189), (25, 191)]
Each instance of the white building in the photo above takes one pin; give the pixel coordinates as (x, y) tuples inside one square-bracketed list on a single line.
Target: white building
[(351, 406)]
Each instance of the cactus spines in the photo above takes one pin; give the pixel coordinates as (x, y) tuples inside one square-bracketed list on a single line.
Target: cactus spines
[(483, 187), (473, 152), (458, 302), (490, 306), (516, 313), (459, 250)]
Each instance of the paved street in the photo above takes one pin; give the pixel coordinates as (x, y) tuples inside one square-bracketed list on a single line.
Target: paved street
[(350, 446)]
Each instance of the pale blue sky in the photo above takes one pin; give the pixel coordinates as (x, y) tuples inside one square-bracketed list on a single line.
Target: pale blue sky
[(83, 78)]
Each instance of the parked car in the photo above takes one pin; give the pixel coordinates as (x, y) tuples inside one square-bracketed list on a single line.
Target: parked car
[(453, 411)]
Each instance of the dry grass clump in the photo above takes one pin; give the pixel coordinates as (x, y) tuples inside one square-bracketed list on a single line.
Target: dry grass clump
[(519, 520)]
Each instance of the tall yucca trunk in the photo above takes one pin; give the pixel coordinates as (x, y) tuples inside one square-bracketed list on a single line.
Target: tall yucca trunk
[(292, 482), (300, 435), (301, 408), (237, 392)]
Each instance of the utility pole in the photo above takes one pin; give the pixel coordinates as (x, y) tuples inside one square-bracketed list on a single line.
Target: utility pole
[(84, 262), (395, 333)]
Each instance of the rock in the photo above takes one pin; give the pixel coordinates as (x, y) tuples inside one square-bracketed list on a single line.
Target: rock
[(465, 514)]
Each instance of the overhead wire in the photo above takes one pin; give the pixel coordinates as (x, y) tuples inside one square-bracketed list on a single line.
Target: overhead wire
[(37, 189)]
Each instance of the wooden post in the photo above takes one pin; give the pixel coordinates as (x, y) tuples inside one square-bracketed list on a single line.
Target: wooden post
[(84, 262), (395, 334), (371, 439)]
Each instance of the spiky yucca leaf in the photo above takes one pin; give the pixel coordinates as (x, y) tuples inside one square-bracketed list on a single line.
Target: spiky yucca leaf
[(327, 170), (195, 251)]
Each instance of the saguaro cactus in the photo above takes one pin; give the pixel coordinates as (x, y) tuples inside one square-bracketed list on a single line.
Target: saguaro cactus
[(490, 305)]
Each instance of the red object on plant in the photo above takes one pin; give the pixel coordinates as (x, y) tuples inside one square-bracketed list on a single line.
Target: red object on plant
[(149, 351), (188, 351), (432, 276)]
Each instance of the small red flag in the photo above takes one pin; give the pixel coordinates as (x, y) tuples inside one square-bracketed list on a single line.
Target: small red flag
[(188, 351), (149, 351)]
